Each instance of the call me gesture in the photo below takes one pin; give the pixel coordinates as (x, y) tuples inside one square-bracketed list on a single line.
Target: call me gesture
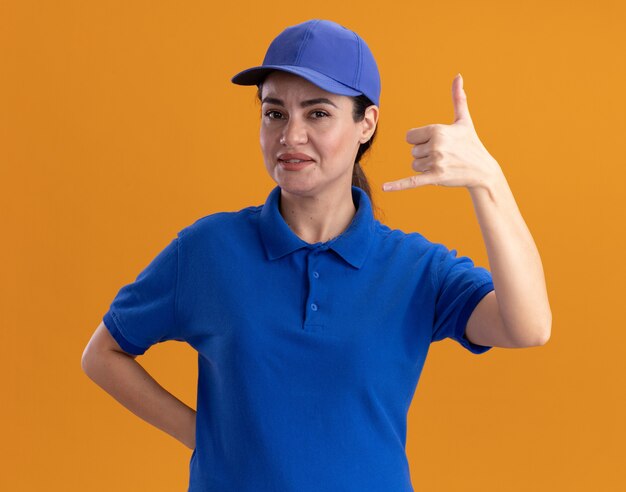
[(517, 313)]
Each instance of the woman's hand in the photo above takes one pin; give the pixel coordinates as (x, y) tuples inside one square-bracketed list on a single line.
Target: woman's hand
[(449, 155), (517, 313)]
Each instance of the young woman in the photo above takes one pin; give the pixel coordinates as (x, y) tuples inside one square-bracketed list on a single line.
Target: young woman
[(312, 319)]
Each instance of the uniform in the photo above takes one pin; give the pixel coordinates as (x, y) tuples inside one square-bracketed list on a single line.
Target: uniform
[(308, 354)]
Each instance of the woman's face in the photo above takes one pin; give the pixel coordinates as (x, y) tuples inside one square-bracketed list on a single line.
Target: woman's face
[(302, 122)]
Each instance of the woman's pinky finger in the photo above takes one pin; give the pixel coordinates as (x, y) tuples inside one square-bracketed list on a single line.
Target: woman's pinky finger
[(415, 181)]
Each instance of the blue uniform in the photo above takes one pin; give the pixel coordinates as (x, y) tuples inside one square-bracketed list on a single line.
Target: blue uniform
[(308, 354)]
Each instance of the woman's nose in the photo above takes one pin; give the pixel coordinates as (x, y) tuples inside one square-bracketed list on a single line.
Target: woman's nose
[(294, 133)]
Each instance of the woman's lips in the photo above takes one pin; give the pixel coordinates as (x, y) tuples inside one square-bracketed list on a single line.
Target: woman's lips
[(294, 166)]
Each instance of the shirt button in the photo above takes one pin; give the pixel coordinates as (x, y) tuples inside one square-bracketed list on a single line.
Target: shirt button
[(314, 307), (316, 275)]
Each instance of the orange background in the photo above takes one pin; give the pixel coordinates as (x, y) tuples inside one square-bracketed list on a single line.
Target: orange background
[(119, 126)]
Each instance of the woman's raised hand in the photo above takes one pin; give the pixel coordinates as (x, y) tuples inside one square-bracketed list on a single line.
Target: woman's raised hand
[(448, 155)]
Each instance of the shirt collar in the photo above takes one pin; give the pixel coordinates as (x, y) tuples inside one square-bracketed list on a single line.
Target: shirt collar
[(352, 244)]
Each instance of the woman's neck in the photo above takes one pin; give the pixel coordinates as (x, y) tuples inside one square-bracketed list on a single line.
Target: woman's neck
[(317, 218)]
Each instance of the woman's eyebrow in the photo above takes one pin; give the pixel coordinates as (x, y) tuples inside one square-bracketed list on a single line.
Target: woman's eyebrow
[(304, 104)]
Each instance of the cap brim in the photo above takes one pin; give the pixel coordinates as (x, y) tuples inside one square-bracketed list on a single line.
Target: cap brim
[(255, 75)]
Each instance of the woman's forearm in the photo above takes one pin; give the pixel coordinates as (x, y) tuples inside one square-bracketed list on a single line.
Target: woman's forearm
[(130, 384), (514, 261)]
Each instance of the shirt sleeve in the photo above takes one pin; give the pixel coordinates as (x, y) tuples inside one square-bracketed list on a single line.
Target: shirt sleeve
[(143, 312), (459, 286)]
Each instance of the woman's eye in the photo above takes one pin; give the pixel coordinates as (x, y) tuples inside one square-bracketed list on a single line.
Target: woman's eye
[(272, 112)]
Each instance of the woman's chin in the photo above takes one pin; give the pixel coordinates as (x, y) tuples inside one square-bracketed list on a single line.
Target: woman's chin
[(294, 188), (293, 183)]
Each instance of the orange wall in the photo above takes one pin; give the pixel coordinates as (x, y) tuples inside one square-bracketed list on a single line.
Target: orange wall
[(119, 126)]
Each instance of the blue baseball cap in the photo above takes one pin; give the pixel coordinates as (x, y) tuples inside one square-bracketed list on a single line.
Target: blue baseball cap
[(326, 54)]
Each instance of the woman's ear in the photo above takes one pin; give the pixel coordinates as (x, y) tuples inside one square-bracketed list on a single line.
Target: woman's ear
[(368, 125)]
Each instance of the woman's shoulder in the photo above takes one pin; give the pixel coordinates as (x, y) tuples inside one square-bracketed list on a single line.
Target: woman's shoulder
[(408, 245), (399, 236), (220, 222)]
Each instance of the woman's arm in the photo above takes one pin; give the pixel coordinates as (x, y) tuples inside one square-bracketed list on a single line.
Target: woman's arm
[(120, 375), (517, 313)]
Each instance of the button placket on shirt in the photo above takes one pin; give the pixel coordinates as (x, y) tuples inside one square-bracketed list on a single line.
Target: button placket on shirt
[(312, 311)]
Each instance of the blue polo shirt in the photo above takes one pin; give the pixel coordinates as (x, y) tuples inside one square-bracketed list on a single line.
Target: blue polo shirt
[(308, 354)]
